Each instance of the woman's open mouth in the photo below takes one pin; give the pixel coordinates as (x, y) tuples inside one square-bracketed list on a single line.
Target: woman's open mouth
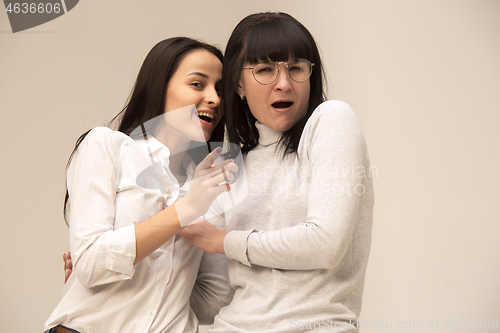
[(206, 118), (282, 105)]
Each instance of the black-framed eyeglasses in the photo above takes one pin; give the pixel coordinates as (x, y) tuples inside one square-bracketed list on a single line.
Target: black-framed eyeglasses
[(266, 72)]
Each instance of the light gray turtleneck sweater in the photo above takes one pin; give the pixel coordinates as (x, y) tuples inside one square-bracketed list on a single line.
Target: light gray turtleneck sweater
[(298, 243)]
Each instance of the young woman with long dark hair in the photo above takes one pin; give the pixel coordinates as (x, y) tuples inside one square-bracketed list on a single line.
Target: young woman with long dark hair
[(132, 190)]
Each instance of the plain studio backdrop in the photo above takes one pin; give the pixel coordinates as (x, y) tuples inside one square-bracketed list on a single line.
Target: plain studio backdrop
[(422, 76)]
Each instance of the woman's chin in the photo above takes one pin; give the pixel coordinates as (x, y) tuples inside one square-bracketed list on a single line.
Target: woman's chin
[(207, 132)]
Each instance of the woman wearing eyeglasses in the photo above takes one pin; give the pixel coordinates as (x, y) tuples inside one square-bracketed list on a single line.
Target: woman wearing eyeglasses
[(298, 244)]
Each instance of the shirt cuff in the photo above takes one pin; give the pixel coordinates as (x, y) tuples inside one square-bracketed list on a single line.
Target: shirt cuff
[(120, 250), (236, 245)]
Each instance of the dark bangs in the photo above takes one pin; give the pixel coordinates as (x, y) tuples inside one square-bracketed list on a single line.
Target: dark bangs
[(277, 40)]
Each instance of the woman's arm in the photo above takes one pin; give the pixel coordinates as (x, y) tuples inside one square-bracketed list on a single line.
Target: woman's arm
[(334, 141), (100, 253), (211, 291)]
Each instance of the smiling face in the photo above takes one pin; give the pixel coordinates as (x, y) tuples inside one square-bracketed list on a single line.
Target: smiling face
[(279, 105), (196, 82)]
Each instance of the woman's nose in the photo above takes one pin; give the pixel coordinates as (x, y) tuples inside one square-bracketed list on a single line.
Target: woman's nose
[(213, 97), (283, 79)]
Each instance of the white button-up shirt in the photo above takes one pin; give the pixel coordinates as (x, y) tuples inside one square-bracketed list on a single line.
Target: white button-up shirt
[(115, 182)]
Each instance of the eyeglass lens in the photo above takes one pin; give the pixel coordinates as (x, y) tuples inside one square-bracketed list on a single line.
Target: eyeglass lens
[(266, 72)]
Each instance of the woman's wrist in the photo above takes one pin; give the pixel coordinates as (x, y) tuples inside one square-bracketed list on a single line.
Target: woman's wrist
[(221, 243), (186, 213)]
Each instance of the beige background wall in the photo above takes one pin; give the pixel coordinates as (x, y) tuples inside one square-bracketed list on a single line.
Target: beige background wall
[(423, 77)]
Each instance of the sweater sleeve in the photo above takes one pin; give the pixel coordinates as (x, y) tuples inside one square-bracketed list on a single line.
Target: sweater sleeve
[(334, 145), (212, 290), (100, 253)]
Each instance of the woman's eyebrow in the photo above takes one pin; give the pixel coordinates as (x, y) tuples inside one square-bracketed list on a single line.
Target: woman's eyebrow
[(198, 73)]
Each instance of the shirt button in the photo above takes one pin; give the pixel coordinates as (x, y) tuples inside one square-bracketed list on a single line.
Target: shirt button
[(169, 248), (152, 312)]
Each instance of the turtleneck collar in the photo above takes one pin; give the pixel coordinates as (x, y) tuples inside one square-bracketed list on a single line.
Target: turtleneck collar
[(267, 136)]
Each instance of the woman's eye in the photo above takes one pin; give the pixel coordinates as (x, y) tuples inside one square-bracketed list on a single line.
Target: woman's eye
[(295, 69), (265, 69), (197, 84)]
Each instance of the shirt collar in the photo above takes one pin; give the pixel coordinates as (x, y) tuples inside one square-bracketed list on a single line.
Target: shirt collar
[(267, 136), (153, 147), (158, 151)]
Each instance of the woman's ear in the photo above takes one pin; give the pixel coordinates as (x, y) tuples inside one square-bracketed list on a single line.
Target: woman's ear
[(240, 90)]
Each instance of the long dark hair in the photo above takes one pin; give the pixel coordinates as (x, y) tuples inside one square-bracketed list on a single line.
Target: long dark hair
[(263, 36), (147, 99)]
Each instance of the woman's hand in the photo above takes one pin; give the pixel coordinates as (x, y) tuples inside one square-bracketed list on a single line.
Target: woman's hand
[(208, 182), (68, 266), (205, 236)]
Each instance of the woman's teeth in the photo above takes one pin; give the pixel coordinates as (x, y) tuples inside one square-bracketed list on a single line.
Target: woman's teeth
[(208, 117)]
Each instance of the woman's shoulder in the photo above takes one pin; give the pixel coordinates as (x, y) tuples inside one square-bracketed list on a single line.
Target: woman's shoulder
[(333, 109), (105, 139), (333, 113), (105, 134), (332, 120)]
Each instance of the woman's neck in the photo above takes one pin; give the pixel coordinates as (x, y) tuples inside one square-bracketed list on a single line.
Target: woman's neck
[(178, 147)]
